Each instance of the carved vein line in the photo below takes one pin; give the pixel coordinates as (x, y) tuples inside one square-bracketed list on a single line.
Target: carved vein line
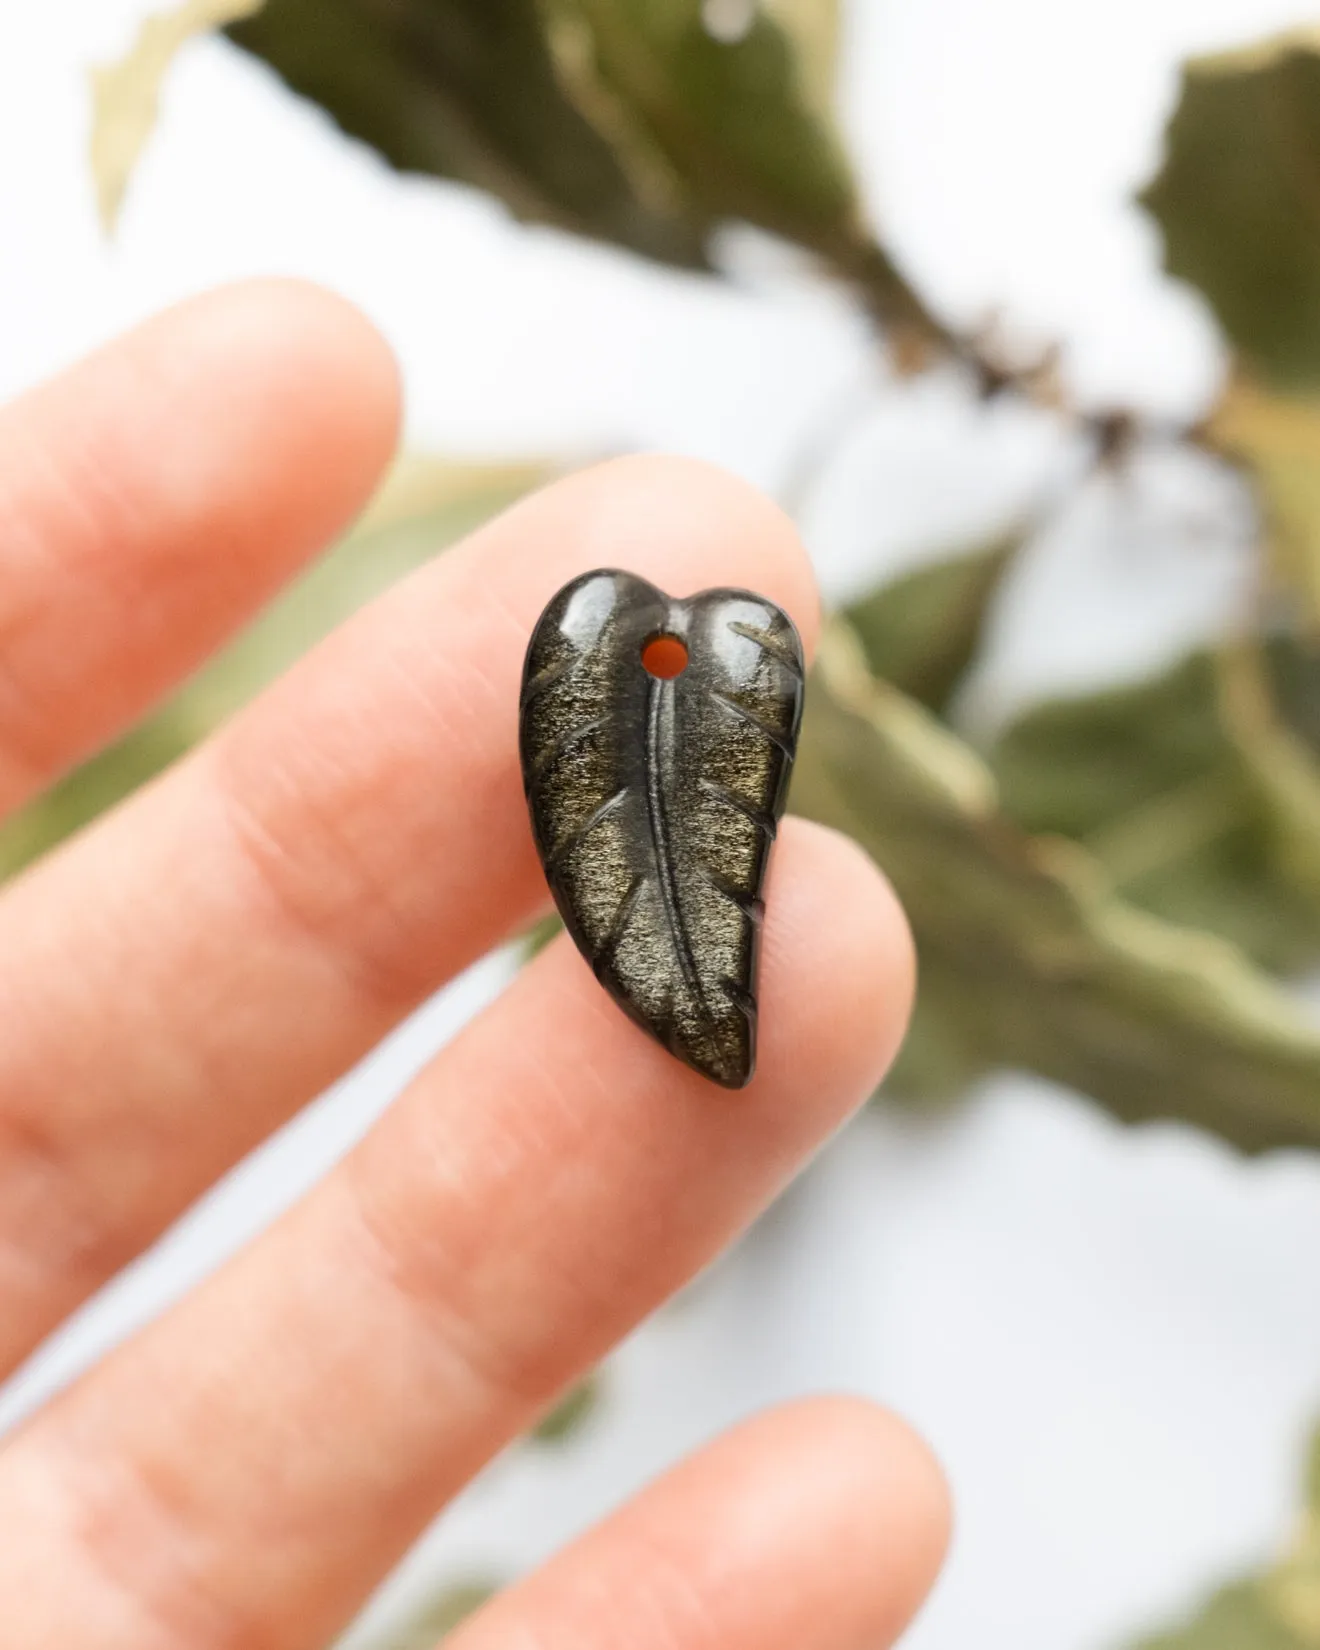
[(655, 807), (776, 738), (772, 645), (741, 999), (758, 816), (752, 906), (545, 678), (567, 842), (549, 753), (610, 944)]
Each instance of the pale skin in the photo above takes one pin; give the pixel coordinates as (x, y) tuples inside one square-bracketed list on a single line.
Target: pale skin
[(181, 978)]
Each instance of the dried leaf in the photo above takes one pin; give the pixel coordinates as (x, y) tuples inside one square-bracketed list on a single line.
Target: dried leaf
[(1152, 783), (423, 505), (813, 27), (1052, 972), (631, 121), (1238, 200), (467, 89), (922, 631), (734, 118), (1281, 767), (126, 94), (942, 1054), (1276, 439)]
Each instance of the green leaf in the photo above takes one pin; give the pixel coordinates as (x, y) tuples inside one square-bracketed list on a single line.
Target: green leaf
[(734, 119), (1050, 970), (1238, 200), (571, 1413), (126, 94), (1151, 781), (467, 89), (922, 631), (424, 505)]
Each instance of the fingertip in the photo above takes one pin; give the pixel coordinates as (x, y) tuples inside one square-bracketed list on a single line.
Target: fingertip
[(836, 1494), (682, 523), (307, 359), (823, 1521), (881, 1491), (838, 968), (158, 492)]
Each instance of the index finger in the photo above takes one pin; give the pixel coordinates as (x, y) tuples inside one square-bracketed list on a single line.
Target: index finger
[(240, 933)]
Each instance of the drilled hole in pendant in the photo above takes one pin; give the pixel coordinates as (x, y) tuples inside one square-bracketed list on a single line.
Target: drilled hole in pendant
[(664, 657)]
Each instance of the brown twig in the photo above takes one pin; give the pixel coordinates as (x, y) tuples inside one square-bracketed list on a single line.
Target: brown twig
[(917, 338)]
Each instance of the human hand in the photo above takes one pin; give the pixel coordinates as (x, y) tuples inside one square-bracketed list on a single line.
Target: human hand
[(181, 978)]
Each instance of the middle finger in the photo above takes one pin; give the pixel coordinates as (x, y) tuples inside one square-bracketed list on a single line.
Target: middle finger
[(246, 1471), (179, 980)]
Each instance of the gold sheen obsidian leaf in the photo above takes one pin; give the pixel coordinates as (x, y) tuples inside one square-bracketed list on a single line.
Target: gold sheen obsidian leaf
[(657, 738)]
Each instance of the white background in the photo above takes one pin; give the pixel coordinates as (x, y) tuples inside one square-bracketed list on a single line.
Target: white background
[(1112, 1338)]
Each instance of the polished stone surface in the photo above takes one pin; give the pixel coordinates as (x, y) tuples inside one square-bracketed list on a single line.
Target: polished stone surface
[(655, 800)]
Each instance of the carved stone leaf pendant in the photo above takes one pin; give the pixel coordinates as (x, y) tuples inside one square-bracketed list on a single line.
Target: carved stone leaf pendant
[(655, 796)]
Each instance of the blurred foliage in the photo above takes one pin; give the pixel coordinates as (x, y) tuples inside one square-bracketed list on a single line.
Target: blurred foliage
[(922, 631), (1107, 896), (1276, 439), (126, 94), (425, 504), (1028, 958), (435, 1620), (1275, 739), (1164, 788), (629, 121), (812, 28), (730, 120), (468, 89), (621, 119), (1278, 1609), (571, 1413), (539, 935), (1238, 201)]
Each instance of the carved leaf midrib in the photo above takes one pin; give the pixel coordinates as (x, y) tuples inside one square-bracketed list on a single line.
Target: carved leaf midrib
[(658, 695), (658, 806)]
